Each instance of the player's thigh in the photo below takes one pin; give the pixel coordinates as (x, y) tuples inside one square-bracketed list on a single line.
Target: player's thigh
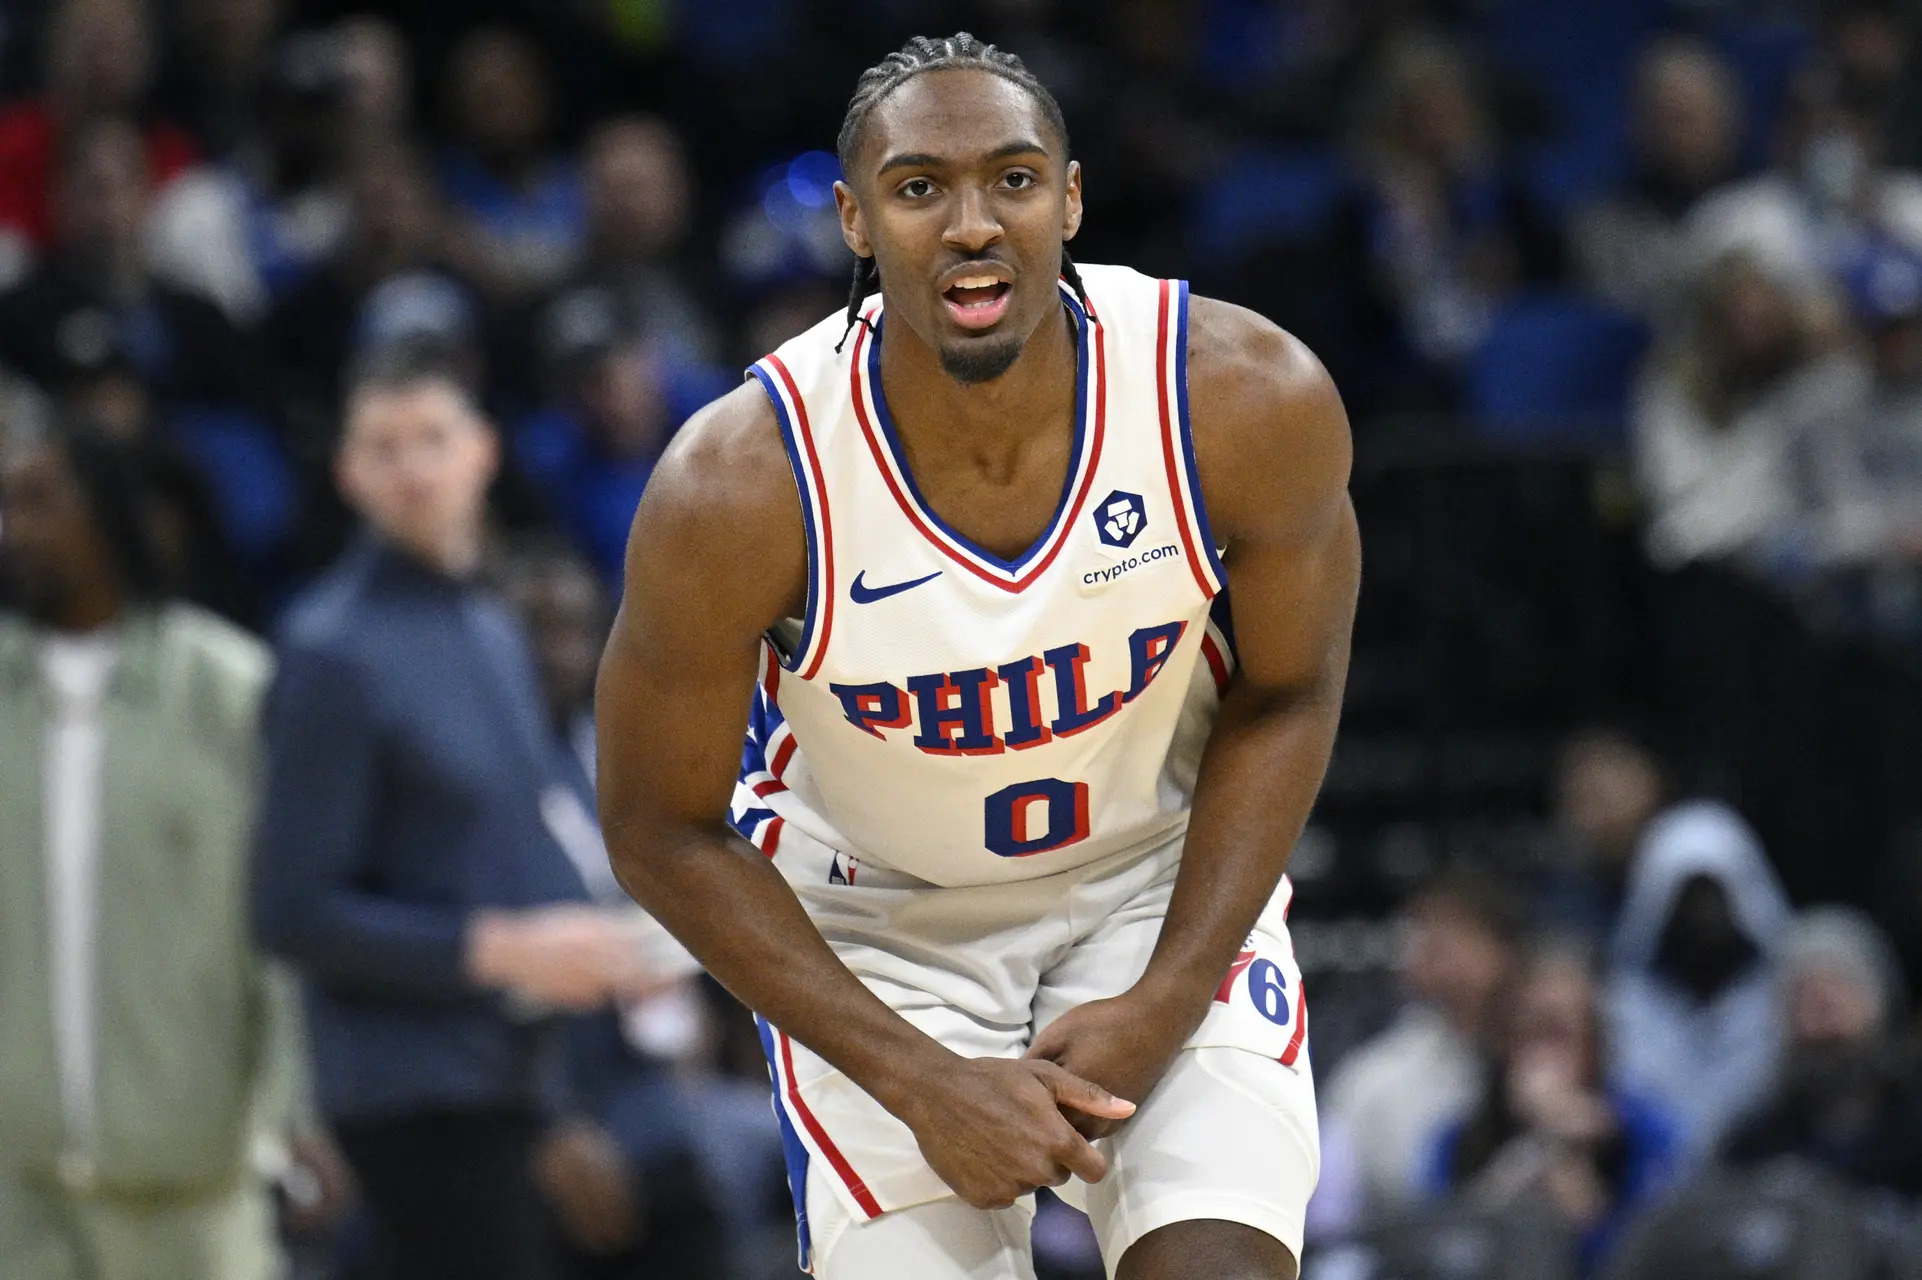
[(946, 1239), (1228, 1136), (1110, 955)]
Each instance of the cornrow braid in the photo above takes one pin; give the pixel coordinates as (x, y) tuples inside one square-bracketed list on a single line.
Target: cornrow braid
[(866, 275), (1073, 278), (958, 52)]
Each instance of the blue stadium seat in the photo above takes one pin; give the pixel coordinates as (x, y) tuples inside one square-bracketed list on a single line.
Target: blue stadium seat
[(1263, 197), (243, 462), (1577, 57), (1554, 365), (1765, 57)]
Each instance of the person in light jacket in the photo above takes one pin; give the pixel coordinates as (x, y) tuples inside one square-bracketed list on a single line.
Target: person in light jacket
[(149, 1050)]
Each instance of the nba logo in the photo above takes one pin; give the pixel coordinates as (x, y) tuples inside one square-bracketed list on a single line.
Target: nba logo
[(1120, 518)]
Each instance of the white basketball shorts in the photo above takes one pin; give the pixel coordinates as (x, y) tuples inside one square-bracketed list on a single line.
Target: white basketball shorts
[(1229, 1133)]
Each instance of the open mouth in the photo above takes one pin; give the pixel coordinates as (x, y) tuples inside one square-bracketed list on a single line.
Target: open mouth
[(977, 302)]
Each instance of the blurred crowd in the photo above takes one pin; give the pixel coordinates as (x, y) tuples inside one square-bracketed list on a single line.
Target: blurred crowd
[(1643, 1065), (1684, 226), (338, 342)]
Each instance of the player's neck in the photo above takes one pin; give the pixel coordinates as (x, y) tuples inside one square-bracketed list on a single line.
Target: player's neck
[(935, 414)]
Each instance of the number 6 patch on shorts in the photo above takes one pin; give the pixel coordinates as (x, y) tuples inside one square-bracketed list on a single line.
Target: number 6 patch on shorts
[(1260, 1005)]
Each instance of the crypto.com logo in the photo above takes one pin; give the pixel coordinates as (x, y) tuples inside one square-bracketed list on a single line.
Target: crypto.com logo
[(1120, 518)]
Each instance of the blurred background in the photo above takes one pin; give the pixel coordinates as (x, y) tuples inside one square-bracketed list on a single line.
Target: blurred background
[(1614, 893)]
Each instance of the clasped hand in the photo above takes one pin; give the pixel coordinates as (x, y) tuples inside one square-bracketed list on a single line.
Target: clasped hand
[(994, 1129)]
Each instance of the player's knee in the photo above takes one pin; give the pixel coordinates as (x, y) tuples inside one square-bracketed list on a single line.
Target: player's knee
[(1208, 1249)]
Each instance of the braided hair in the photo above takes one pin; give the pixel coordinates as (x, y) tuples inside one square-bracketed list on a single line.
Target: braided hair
[(958, 52)]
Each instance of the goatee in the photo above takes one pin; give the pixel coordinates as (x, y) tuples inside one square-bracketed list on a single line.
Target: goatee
[(982, 361)]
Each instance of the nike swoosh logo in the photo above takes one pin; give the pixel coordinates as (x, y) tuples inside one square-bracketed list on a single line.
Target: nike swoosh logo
[(861, 593)]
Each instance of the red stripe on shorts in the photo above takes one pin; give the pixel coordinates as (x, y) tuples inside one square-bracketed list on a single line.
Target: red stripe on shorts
[(1293, 1051), (862, 1196)]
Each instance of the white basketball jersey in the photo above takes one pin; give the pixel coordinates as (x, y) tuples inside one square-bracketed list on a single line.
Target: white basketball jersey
[(968, 719)]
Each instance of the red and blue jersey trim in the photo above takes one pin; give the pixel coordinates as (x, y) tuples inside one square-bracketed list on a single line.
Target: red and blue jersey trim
[(1177, 438), (794, 1152), (765, 756), (1218, 643), (797, 436), (1090, 425), (797, 1119)]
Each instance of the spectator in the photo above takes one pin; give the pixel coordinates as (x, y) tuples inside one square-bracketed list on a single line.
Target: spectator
[(395, 224), (1686, 123), (621, 396), (108, 394), (1849, 1097), (149, 1049), (1877, 513), (1552, 1128), (426, 308), (785, 309), (422, 308), (1693, 1021), (379, 75), (1829, 192), (519, 204), (246, 232), (222, 57), (565, 610), (639, 208), (146, 362), (1608, 786), (1392, 1094), (725, 1120), (98, 62), (1872, 46), (95, 295), (654, 1216), (1733, 425), (1447, 230), (133, 357), (407, 861)]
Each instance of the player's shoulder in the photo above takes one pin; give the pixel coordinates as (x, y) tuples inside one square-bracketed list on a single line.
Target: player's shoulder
[(1268, 424), (726, 465), (728, 473), (1248, 367), (721, 517)]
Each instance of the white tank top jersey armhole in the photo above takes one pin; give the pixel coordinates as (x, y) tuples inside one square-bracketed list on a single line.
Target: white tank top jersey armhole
[(965, 719)]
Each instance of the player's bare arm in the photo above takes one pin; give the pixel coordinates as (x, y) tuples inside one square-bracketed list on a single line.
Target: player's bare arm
[(1273, 449), (717, 555)]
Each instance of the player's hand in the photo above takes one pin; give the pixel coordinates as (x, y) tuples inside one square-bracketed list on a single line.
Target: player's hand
[(568, 956), (993, 1128), (1119, 1043)]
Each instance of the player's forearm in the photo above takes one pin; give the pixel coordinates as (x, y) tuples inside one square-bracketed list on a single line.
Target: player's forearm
[(728, 906), (1259, 777)]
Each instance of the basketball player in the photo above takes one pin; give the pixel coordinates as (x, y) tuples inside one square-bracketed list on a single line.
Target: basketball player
[(1004, 873)]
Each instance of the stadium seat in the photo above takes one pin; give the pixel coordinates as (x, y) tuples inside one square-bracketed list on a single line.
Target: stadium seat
[(1785, 1220), (1554, 365), (1265, 197), (1765, 57), (1576, 57), (1455, 1243), (242, 461)]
